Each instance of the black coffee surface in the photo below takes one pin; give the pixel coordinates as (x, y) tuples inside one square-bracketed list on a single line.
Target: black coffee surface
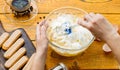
[(20, 4)]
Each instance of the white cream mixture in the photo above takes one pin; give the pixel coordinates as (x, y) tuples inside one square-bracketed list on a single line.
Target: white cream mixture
[(64, 32)]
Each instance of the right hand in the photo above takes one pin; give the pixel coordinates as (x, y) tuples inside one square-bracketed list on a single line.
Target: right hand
[(98, 25)]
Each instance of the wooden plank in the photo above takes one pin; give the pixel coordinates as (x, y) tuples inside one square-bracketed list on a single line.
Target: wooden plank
[(46, 6), (96, 59), (93, 58), (30, 26)]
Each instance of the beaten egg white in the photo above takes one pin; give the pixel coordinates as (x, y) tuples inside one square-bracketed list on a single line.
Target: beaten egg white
[(65, 33)]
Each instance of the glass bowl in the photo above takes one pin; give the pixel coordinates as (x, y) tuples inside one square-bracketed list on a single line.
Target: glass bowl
[(65, 36)]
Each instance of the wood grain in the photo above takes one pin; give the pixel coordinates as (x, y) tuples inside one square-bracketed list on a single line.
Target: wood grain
[(30, 26), (96, 59), (45, 6), (93, 57)]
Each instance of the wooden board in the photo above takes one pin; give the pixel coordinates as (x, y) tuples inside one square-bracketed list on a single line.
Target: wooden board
[(30, 26), (93, 58), (46, 6), (97, 58), (28, 45)]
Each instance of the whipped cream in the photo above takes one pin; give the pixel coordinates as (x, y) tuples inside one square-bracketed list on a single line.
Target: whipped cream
[(64, 32)]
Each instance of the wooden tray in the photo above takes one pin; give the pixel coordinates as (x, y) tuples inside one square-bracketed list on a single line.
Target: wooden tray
[(28, 45)]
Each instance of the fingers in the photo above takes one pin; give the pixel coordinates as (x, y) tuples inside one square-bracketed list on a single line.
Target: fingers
[(44, 29), (43, 32), (88, 18), (46, 25), (41, 29), (83, 23), (92, 15), (42, 22), (99, 15), (38, 33)]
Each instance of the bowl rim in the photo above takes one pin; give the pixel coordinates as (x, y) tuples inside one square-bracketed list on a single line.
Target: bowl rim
[(74, 8)]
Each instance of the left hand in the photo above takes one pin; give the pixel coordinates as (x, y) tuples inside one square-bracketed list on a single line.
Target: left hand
[(41, 49), (42, 41)]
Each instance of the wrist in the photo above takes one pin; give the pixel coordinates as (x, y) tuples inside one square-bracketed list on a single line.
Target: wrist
[(39, 56), (112, 37), (41, 52), (41, 48)]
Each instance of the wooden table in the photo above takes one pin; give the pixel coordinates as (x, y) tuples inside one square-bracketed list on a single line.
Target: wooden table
[(93, 57)]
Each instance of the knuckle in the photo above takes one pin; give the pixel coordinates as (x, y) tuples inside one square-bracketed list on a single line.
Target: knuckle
[(91, 13), (90, 27), (85, 16), (94, 21), (100, 17)]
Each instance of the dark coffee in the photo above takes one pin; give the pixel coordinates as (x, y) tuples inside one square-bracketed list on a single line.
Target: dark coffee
[(20, 4)]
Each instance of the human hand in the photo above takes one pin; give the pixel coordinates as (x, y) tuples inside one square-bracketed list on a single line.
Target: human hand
[(98, 25), (42, 41), (41, 49)]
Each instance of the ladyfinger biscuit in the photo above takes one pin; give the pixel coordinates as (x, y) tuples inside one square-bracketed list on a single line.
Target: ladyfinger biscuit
[(3, 38), (20, 63), (29, 63), (15, 35), (14, 48), (15, 57)]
